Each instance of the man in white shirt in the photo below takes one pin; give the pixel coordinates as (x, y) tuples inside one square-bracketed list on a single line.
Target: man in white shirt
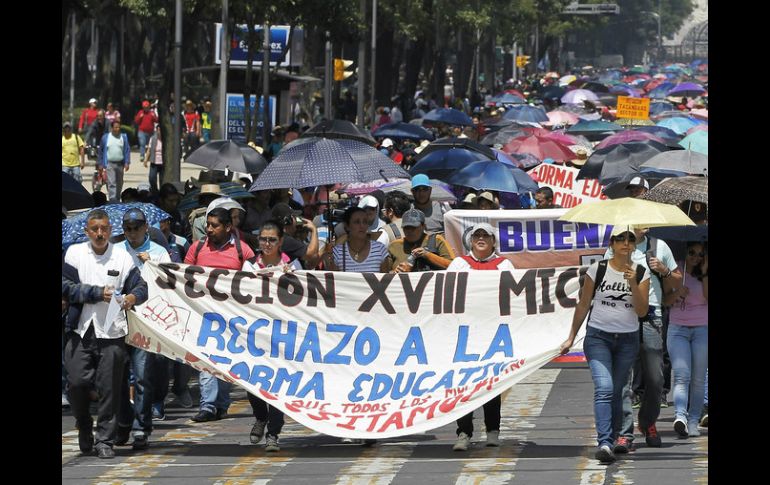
[(95, 353)]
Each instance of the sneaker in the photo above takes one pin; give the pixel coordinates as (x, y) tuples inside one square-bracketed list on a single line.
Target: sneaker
[(221, 413), (693, 430), (463, 440), (86, 438), (704, 420), (681, 428), (157, 412), (493, 438), (105, 452), (140, 442), (651, 436), (623, 445), (185, 399), (257, 432), (204, 416), (122, 435), (604, 454), (271, 443), (636, 401), (663, 401), (347, 441)]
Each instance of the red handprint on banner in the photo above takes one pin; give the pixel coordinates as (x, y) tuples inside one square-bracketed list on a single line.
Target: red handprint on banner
[(161, 312)]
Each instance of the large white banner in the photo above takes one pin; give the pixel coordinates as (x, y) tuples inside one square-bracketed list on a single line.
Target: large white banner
[(568, 191), (532, 238), (360, 355)]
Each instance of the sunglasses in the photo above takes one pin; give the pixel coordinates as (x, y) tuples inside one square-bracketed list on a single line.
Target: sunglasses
[(132, 228), (630, 238), (271, 240), (693, 253)]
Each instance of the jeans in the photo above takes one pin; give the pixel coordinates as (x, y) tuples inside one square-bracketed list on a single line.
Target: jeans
[(689, 349), (74, 172), (610, 356), (651, 357), (143, 139), (206, 135), (140, 413), (491, 418), (215, 393), (99, 363), (156, 176), (114, 181), (263, 412)]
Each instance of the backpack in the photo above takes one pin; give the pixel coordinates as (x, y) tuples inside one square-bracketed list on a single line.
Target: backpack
[(237, 248)]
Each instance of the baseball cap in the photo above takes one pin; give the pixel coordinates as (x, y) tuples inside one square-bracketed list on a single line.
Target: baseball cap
[(67, 124), (368, 201), (488, 196), (412, 218), (483, 226), (638, 181), (282, 210), (420, 180), (620, 229), (134, 215), (387, 142), (225, 203), (145, 104), (92, 100)]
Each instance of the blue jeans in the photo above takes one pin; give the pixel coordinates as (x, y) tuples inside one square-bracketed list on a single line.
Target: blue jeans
[(206, 135), (610, 357), (140, 414), (143, 139), (215, 394), (651, 356), (74, 171), (689, 350)]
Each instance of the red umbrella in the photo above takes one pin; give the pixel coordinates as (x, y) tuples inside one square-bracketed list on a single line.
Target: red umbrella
[(560, 137), (540, 146), (515, 93), (628, 136)]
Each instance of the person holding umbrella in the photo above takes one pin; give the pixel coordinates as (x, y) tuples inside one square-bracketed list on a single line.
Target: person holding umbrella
[(614, 296)]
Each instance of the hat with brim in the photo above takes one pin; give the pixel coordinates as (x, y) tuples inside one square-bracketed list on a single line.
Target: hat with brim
[(210, 189), (225, 203), (488, 196), (638, 182), (484, 226)]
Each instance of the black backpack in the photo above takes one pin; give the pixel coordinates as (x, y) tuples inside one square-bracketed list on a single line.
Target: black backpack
[(237, 248)]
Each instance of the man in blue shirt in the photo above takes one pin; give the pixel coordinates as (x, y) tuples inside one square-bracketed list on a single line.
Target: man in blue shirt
[(115, 157)]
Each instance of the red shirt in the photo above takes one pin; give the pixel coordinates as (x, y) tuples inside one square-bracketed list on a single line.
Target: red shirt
[(146, 121), (224, 258), (87, 117), (192, 120)]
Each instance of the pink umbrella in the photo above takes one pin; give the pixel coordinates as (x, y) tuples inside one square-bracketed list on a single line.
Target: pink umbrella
[(702, 114), (540, 146), (561, 118), (628, 136), (700, 127)]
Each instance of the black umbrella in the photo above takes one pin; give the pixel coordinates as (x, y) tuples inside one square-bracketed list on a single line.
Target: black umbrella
[(612, 163), (73, 194), (339, 129), (456, 142), (440, 164), (551, 92), (503, 136), (233, 155)]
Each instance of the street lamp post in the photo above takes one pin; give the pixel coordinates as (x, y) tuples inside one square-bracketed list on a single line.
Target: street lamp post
[(660, 39)]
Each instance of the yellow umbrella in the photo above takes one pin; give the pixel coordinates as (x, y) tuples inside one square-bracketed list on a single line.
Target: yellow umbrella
[(628, 211), (565, 80)]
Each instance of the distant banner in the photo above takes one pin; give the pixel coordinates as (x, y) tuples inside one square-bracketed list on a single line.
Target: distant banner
[(359, 355), (532, 238), (567, 190)]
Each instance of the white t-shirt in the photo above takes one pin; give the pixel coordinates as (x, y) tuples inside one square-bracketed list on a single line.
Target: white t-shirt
[(613, 309), (664, 254)]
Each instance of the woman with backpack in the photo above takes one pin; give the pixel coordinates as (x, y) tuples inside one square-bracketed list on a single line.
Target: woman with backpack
[(614, 296)]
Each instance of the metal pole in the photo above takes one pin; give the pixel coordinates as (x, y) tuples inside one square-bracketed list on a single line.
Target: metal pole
[(224, 51), (478, 54), (328, 80), (537, 45), (660, 38), (266, 84), (73, 31), (374, 60), (361, 72), (175, 166), (515, 70)]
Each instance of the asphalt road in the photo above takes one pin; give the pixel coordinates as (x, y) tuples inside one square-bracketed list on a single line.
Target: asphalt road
[(547, 435)]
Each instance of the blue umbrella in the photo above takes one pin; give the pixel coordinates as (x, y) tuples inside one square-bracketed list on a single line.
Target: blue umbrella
[(321, 161), (525, 161), (73, 228), (493, 175), (402, 130), (449, 116), (625, 90), (697, 141), (441, 163), (593, 129), (507, 98), (525, 112), (552, 92), (661, 132), (661, 90), (658, 107), (73, 194), (681, 233), (678, 124)]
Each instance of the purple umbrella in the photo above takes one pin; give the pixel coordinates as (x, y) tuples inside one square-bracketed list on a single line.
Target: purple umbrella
[(628, 136), (687, 89)]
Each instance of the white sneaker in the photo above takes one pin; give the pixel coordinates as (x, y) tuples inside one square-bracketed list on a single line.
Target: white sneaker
[(680, 426), (271, 443), (463, 441), (493, 438)]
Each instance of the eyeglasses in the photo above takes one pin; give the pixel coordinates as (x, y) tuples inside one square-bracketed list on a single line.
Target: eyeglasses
[(630, 238), (693, 253), (481, 235), (270, 240)]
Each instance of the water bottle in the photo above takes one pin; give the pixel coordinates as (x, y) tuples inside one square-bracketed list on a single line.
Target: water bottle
[(410, 261)]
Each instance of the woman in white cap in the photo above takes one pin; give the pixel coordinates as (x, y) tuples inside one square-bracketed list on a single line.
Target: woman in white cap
[(481, 239), (615, 294)]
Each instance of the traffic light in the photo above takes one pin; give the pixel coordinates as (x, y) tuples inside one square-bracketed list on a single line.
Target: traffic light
[(339, 69), (522, 61)]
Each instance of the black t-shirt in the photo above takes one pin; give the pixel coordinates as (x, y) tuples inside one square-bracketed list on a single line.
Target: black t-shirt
[(294, 248)]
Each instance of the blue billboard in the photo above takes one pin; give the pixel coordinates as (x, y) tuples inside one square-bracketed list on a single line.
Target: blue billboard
[(236, 110), (279, 38)]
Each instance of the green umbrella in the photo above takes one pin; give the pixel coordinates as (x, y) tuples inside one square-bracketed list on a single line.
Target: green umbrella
[(697, 141)]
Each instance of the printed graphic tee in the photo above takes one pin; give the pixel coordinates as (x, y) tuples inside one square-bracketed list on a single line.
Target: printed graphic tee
[(613, 309)]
